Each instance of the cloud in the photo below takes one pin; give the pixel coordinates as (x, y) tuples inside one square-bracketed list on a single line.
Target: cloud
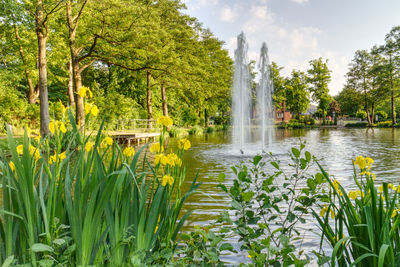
[(228, 14), (198, 4), (300, 1), (259, 11)]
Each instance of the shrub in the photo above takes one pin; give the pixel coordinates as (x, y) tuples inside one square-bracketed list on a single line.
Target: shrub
[(196, 130), (269, 207), (360, 124), (361, 114), (382, 115), (177, 132), (384, 124)]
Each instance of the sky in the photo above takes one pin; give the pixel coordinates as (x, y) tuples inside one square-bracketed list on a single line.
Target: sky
[(297, 31)]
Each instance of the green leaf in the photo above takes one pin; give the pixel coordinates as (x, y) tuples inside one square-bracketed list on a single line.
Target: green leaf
[(226, 246), (303, 163), (308, 156), (236, 205), (39, 247), (221, 177), (59, 242), (242, 176), (248, 196), (382, 253), (8, 261), (273, 163), (295, 152), (256, 160)]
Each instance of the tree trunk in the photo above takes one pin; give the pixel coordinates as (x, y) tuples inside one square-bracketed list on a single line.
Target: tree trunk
[(164, 101), (372, 114), (79, 105), (323, 117), (33, 92), (41, 33), (71, 84), (284, 110), (205, 118), (393, 109), (149, 112)]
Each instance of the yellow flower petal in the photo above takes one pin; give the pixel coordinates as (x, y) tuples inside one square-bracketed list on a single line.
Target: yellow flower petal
[(89, 146), (12, 166), (20, 150)]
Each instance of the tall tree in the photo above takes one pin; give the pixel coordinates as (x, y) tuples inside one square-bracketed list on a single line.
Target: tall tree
[(279, 95), (42, 16), (297, 93), (391, 50), (319, 76)]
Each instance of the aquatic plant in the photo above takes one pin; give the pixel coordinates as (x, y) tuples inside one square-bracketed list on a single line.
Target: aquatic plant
[(361, 225), (90, 204)]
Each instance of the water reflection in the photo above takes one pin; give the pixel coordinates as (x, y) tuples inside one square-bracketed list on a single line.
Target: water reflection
[(212, 154)]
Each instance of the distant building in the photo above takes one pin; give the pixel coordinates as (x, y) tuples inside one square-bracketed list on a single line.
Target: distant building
[(282, 115)]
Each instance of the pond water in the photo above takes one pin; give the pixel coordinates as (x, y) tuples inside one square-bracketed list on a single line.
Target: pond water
[(212, 154)]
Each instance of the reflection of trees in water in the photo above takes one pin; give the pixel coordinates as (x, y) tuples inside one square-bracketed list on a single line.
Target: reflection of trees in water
[(370, 133)]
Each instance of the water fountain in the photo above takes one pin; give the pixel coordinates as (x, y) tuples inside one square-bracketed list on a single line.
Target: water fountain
[(241, 95), (264, 95), (241, 99)]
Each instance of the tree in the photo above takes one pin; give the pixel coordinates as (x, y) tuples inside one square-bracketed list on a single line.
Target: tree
[(297, 94), (349, 100), (319, 76), (42, 16), (391, 50), (278, 81)]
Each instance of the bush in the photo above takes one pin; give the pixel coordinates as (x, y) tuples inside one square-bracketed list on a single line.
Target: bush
[(382, 115), (361, 114), (360, 124), (196, 130), (177, 132), (384, 124), (269, 208)]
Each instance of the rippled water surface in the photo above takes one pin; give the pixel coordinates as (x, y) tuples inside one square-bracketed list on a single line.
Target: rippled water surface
[(212, 154)]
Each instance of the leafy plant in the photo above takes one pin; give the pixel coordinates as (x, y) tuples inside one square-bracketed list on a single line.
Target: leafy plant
[(362, 226), (268, 207), (89, 205)]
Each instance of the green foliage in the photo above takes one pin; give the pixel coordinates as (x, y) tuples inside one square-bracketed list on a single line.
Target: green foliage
[(178, 132), (361, 114), (14, 109), (196, 130), (362, 226), (95, 205), (267, 214), (297, 96), (384, 124), (382, 115), (360, 124)]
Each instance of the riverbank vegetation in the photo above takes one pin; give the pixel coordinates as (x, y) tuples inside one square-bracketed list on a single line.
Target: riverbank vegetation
[(372, 82), (70, 199), (140, 60)]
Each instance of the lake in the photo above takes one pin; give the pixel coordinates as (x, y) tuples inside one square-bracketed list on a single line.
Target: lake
[(213, 153)]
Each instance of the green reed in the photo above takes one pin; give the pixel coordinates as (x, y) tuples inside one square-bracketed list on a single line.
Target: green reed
[(93, 205)]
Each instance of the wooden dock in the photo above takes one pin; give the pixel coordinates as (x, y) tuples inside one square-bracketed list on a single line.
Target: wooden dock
[(131, 138)]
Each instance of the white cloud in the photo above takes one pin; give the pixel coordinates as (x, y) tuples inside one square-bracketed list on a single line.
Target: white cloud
[(300, 1), (198, 4), (228, 14), (259, 11)]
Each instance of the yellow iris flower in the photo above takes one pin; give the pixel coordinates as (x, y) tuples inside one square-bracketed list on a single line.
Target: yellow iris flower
[(167, 179), (165, 121)]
